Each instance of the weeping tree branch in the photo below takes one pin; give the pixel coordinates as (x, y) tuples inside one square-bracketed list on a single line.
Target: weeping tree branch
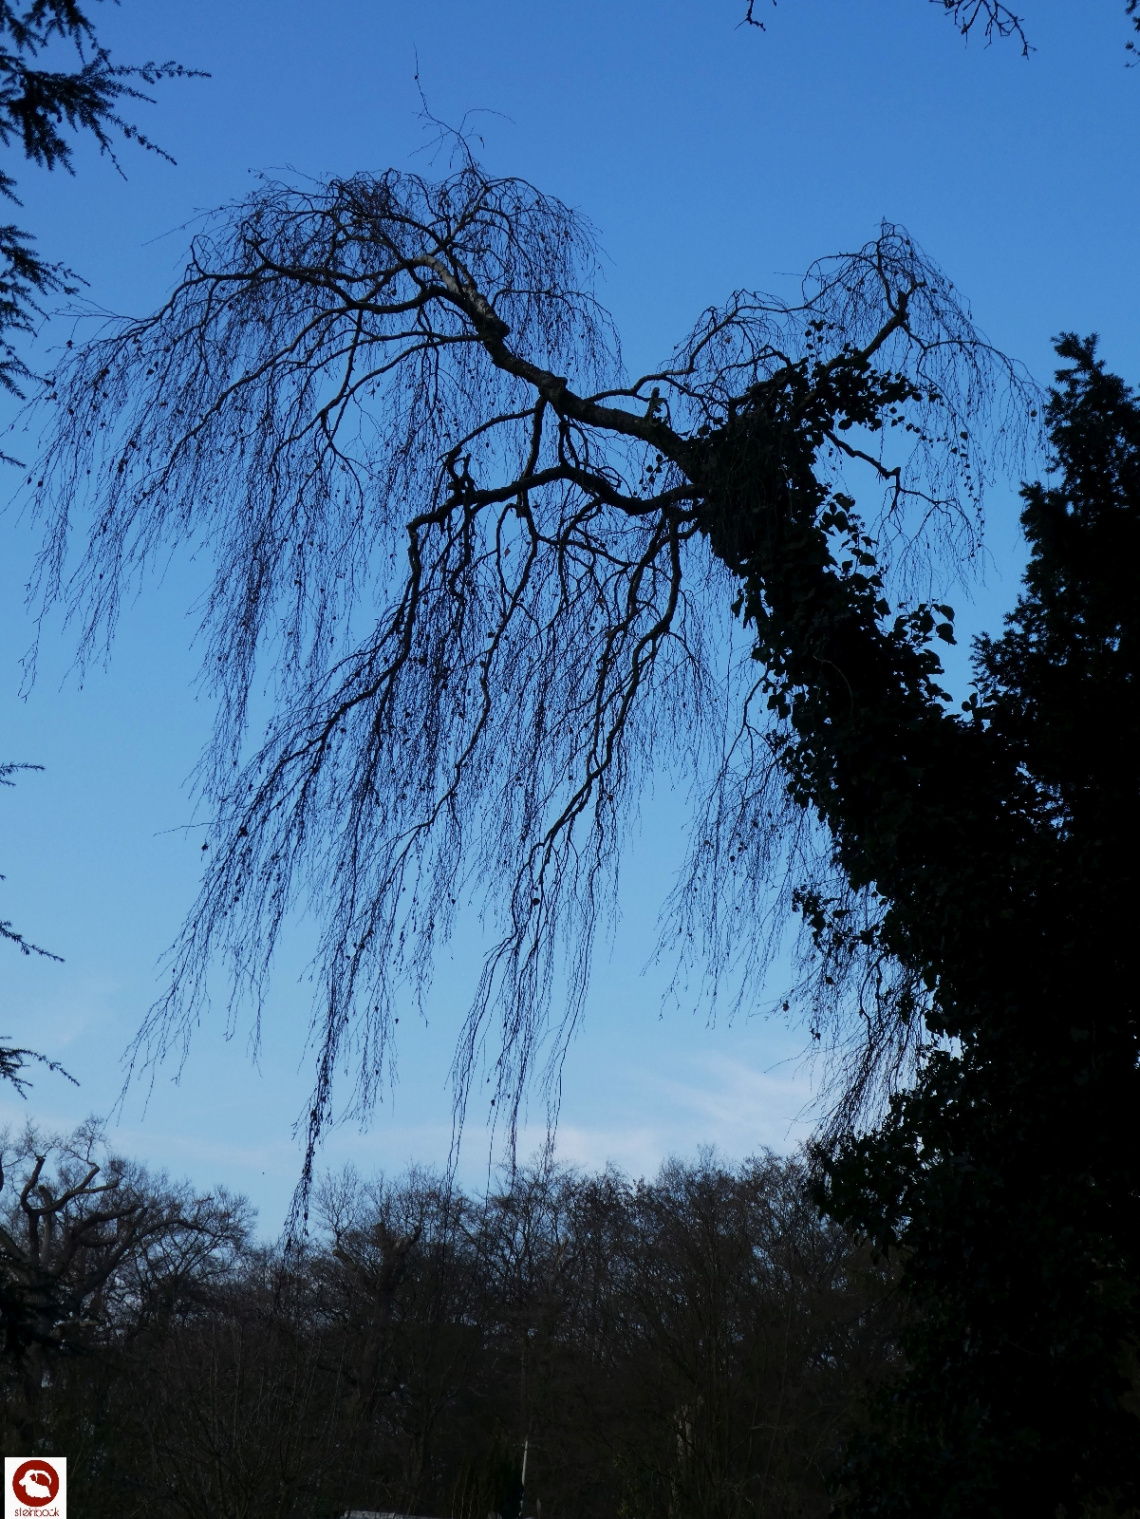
[(497, 586)]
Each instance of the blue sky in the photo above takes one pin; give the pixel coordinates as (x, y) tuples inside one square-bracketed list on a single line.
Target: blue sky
[(708, 157)]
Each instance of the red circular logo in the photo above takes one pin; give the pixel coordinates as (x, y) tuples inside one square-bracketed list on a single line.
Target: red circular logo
[(35, 1483)]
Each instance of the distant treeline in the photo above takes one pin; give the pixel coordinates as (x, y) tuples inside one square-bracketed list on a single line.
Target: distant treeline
[(698, 1345)]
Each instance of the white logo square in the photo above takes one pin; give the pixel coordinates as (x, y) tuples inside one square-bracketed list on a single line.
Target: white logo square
[(35, 1487)]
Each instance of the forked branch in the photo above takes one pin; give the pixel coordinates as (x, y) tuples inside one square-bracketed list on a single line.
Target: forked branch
[(488, 572)]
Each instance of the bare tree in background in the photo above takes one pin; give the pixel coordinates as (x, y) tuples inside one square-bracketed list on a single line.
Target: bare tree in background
[(493, 585), (92, 1246), (699, 1342)]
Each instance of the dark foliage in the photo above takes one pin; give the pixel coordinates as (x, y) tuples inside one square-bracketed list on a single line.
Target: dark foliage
[(39, 106), (1008, 1175), (92, 1249), (697, 1344)]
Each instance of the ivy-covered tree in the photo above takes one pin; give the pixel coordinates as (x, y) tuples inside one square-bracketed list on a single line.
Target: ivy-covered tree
[(1007, 1175)]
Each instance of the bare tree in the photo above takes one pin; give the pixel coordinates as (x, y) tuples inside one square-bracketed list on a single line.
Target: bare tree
[(994, 21), (494, 583), (91, 1245), (698, 1342)]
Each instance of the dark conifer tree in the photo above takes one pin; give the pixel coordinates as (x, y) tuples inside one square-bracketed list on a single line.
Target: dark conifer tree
[(39, 107), (1008, 1175)]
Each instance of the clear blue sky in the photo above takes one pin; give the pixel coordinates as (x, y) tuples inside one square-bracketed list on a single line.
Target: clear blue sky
[(708, 157)]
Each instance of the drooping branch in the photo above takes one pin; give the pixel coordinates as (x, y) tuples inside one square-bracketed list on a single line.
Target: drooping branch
[(13, 936), (489, 575), (990, 17)]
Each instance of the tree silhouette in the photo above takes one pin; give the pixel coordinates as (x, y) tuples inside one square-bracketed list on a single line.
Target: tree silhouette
[(497, 581), (38, 106), (88, 1239), (498, 596), (1008, 1172), (990, 18)]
